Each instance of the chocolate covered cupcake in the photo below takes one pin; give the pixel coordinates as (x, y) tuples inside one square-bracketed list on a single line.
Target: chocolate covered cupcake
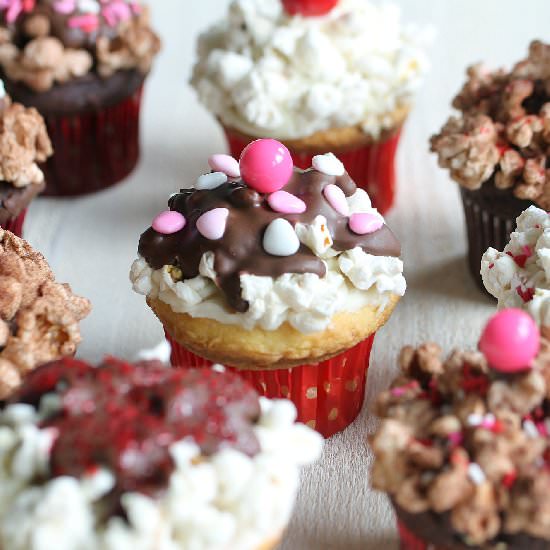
[(497, 148), (24, 145), (463, 446), (39, 318), (284, 274), (82, 64), (138, 456)]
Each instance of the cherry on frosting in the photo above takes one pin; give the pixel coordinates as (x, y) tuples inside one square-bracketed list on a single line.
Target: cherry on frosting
[(266, 165), (309, 7), (510, 341)]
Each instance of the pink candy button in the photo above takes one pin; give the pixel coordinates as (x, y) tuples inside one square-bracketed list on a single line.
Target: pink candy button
[(169, 222), (363, 223), (266, 165), (510, 341), (286, 203), (211, 224), (226, 164), (336, 198)]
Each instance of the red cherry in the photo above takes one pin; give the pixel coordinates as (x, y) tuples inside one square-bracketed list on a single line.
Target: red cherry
[(309, 8)]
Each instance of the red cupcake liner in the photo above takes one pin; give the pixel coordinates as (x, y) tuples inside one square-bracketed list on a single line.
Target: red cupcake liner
[(372, 167), (409, 541), (94, 150), (328, 395), (15, 225)]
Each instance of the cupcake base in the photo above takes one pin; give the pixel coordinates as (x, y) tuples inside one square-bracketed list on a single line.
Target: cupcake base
[(15, 224), (490, 219), (328, 395), (371, 164)]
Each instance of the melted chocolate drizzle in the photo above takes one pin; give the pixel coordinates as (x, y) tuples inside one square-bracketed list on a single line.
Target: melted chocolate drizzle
[(240, 250)]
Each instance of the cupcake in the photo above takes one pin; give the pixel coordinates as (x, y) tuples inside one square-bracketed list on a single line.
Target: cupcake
[(38, 317), (519, 276), (497, 148), (82, 64), (283, 274), (141, 456), (463, 446), (325, 76), (24, 143)]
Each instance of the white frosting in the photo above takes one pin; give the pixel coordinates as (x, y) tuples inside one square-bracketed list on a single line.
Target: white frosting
[(228, 501), (272, 75), (503, 277), (354, 279)]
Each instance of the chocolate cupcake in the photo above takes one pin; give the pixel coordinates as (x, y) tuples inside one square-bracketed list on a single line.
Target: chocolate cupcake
[(497, 148), (24, 144), (38, 317), (463, 446), (283, 274), (140, 456), (82, 64)]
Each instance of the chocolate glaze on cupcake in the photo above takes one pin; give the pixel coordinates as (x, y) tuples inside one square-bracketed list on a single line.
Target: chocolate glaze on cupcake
[(124, 456), (463, 446), (497, 148), (24, 143), (39, 318)]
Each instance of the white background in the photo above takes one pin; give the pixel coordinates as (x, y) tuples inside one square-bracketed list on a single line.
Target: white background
[(91, 242)]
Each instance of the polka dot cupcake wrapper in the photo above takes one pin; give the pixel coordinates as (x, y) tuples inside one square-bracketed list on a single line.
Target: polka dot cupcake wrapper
[(15, 225), (372, 167), (93, 150), (328, 395)]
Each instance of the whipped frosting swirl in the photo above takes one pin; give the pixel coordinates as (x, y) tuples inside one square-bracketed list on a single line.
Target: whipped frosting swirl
[(266, 73)]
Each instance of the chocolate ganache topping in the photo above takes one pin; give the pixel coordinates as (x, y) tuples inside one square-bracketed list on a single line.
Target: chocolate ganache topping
[(125, 418), (241, 248)]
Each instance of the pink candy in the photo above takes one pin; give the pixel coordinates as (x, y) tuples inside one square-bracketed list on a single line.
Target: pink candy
[(169, 222), (363, 223), (86, 23), (336, 198), (211, 224), (226, 164), (266, 165), (64, 6), (510, 341), (286, 203)]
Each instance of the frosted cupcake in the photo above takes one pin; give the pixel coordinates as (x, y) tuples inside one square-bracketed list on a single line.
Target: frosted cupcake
[(24, 144), (140, 456), (282, 273), (82, 64), (462, 449), (328, 76), (39, 318), (497, 148), (519, 276)]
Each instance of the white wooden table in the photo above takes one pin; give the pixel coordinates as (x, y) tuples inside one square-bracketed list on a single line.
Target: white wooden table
[(91, 242)]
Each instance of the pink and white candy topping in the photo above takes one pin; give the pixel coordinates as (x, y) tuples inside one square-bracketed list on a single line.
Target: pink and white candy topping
[(362, 223), (286, 203), (169, 222), (510, 341), (212, 224), (226, 164), (266, 165)]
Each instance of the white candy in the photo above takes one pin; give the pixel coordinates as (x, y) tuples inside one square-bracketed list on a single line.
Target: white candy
[(89, 6), (280, 239), (476, 474), (211, 181), (328, 164)]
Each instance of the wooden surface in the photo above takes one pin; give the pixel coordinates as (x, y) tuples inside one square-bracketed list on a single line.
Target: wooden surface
[(91, 242)]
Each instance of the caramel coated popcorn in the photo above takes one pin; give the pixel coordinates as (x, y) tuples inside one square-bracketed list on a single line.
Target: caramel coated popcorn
[(458, 438), (38, 317), (503, 131)]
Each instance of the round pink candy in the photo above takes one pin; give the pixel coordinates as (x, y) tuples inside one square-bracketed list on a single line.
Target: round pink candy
[(266, 165), (226, 164), (363, 223), (169, 222), (286, 203), (510, 341)]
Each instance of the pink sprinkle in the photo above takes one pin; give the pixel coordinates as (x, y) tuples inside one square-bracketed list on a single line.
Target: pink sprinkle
[(13, 11), (64, 6), (541, 427), (116, 12), (226, 164), (456, 438), (363, 223), (211, 224), (398, 392), (169, 222), (87, 23), (286, 203), (336, 198)]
